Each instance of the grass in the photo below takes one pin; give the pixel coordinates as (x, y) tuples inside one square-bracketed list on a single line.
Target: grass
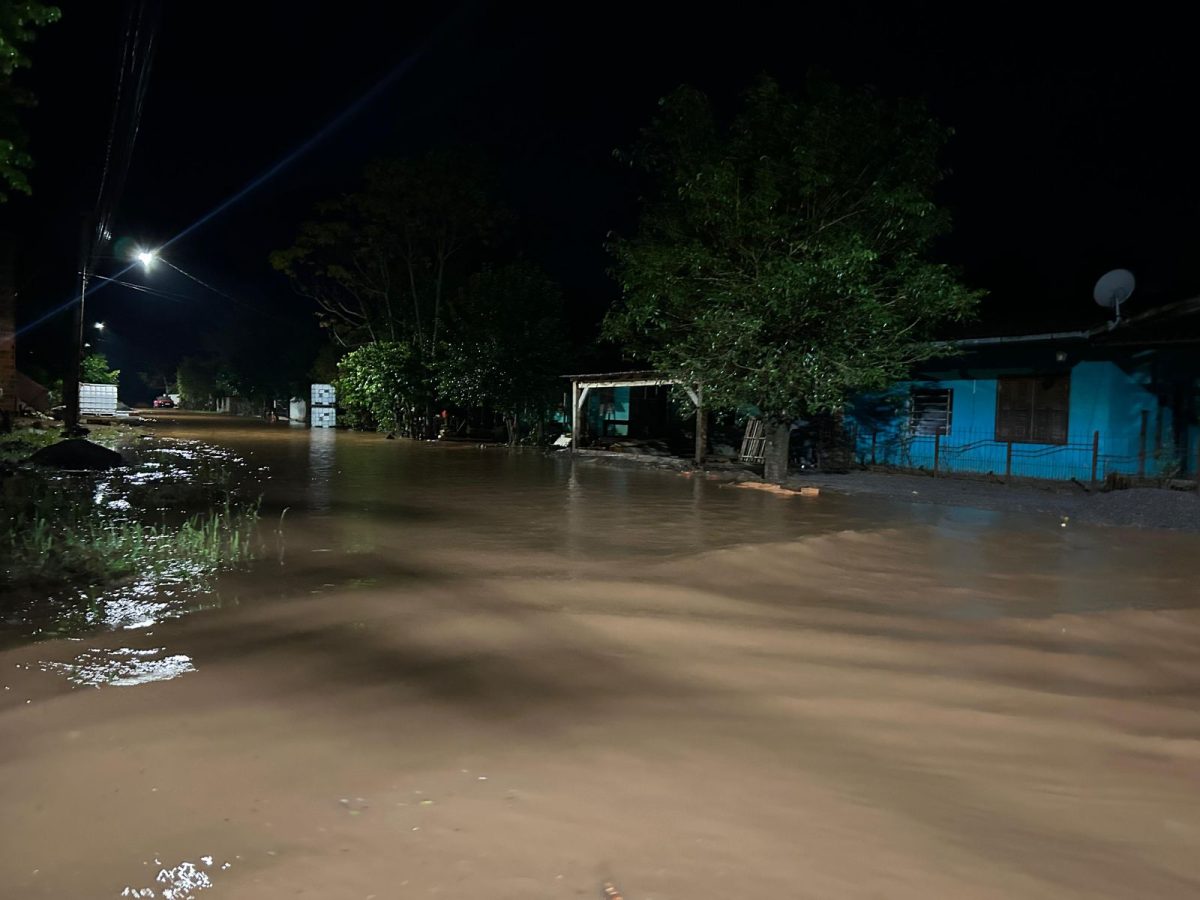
[(22, 443), (171, 519), (50, 544)]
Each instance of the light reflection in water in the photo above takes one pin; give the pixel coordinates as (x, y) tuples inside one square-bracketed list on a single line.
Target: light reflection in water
[(123, 667), (180, 882), (322, 460)]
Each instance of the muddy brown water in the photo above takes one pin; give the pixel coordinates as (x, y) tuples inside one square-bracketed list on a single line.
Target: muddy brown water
[(473, 673)]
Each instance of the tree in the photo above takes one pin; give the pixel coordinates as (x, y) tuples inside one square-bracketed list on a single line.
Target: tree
[(18, 21), (159, 376), (781, 261), (95, 370), (385, 263), (197, 379), (509, 351), (381, 386)]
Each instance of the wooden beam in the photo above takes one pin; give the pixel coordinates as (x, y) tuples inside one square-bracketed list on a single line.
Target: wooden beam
[(647, 382)]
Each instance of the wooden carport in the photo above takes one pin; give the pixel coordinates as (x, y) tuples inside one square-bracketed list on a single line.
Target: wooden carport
[(582, 384)]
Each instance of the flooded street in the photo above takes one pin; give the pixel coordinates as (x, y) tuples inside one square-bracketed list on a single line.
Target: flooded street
[(462, 672)]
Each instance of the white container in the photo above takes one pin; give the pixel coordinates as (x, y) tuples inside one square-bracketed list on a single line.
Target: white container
[(97, 399), (297, 410), (324, 395), (324, 417)]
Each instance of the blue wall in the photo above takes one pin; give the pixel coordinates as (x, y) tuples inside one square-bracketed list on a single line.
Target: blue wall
[(617, 414), (1104, 398)]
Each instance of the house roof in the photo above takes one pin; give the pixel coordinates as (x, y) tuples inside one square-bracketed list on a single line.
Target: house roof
[(1171, 323)]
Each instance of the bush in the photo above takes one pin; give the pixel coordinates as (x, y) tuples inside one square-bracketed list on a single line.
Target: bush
[(381, 386)]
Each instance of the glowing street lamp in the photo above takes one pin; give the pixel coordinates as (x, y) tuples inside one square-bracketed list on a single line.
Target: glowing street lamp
[(99, 326), (147, 258)]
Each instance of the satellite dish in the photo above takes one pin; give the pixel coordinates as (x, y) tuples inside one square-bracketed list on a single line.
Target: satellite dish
[(1113, 289)]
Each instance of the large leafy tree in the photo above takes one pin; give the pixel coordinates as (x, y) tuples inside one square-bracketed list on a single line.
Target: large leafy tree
[(386, 262), (509, 350), (782, 260), (19, 20)]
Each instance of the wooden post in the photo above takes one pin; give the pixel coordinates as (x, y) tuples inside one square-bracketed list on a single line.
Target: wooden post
[(574, 414), (1008, 461), (1158, 425), (1142, 445), (1095, 454), (874, 436), (701, 427), (937, 451)]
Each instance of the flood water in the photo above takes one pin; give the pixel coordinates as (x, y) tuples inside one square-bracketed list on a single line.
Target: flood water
[(464, 673)]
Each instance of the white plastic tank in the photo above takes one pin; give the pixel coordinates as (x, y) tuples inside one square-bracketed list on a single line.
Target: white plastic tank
[(97, 399), (324, 395), (297, 409)]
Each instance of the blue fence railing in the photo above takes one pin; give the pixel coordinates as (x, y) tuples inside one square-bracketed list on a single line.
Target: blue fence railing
[(1086, 457)]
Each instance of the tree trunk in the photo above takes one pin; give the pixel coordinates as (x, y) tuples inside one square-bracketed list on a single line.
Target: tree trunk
[(776, 452), (510, 422)]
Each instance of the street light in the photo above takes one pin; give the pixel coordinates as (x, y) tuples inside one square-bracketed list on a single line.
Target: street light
[(147, 258), (99, 326)]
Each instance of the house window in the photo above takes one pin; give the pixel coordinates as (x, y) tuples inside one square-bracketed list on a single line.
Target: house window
[(929, 411), (1033, 410)]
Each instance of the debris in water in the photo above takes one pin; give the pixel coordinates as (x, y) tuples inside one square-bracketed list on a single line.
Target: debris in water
[(807, 491)]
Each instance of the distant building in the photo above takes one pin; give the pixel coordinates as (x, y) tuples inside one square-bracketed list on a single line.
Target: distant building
[(1121, 398)]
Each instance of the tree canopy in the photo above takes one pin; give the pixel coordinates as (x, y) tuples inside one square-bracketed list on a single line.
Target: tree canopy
[(385, 263), (509, 352), (19, 21), (409, 281), (782, 260)]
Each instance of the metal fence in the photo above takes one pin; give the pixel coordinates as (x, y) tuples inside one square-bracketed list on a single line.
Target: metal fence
[(1083, 457)]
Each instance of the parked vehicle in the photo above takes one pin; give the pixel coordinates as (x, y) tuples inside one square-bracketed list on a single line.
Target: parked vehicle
[(164, 402)]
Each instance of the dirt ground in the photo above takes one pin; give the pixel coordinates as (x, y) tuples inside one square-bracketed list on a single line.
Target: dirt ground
[(1134, 507)]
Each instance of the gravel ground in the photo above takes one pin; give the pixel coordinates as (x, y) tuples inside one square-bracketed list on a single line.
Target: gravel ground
[(1136, 507)]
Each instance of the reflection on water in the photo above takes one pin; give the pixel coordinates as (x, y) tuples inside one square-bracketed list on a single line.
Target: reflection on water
[(322, 463), (123, 667)]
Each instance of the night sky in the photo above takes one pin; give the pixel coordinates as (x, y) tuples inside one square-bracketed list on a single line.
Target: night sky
[(1073, 151)]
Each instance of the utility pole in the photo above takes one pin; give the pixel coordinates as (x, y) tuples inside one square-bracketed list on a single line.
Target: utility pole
[(71, 426)]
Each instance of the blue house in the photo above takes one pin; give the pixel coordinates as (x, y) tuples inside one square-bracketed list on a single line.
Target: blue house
[(1119, 398)]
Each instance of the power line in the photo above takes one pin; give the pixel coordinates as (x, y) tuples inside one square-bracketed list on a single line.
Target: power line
[(132, 82)]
